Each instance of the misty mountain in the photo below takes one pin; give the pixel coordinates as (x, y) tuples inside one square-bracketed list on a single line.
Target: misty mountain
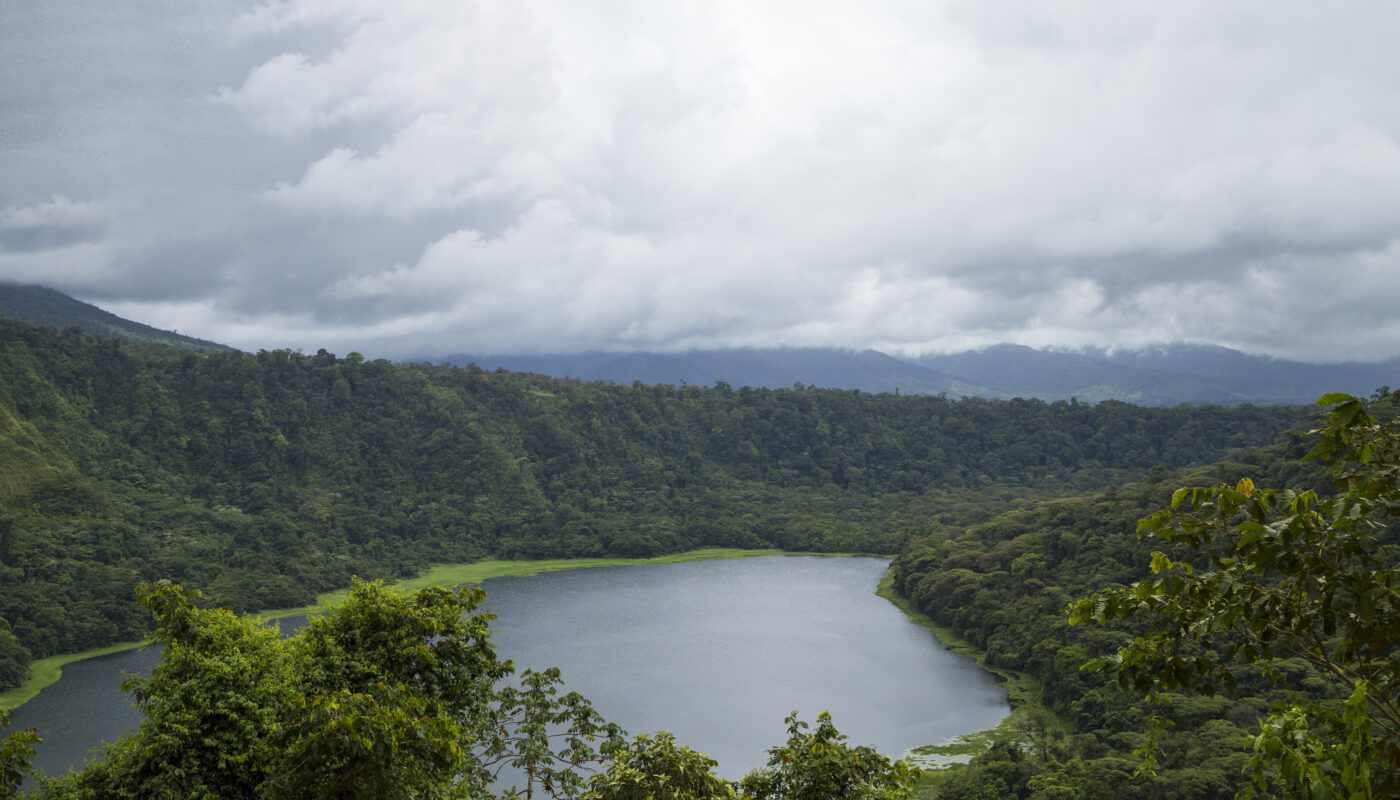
[(43, 306), (1264, 376), (1020, 371), (1166, 374), (1160, 375), (774, 368), (1139, 377)]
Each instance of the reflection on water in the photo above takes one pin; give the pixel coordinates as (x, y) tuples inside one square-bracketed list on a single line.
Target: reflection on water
[(718, 652)]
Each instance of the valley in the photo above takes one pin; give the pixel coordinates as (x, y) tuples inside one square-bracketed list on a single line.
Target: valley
[(268, 479)]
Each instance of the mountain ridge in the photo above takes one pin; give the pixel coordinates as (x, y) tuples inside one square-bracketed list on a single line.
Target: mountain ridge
[(1155, 375), (44, 306), (1167, 374)]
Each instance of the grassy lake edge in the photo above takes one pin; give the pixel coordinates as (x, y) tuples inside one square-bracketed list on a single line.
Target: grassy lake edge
[(1022, 691), (933, 758), (47, 671)]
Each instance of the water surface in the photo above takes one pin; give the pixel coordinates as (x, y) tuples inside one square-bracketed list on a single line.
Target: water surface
[(718, 652)]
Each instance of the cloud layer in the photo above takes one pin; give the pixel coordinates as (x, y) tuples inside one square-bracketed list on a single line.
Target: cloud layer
[(550, 176)]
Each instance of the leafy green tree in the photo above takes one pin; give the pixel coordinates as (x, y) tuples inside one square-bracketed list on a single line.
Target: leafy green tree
[(15, 751), (379, 698), (390, 692), (212, 709), (14, 659), (401, 696), (817, 764), (1257, 576), (656, 768), (547, 738)]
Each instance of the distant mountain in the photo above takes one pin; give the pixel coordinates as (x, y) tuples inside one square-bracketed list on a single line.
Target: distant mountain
[(1047, 374), (1161, 375), (1262, 375), (774, 368), (43, 306)]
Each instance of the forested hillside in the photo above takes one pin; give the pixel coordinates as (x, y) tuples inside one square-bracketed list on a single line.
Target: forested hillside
[(1005, 585), (266, 478), (43, 306)]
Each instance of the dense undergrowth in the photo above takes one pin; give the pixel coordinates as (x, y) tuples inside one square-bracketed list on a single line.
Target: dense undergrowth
[(267, 478), (1005, 585)]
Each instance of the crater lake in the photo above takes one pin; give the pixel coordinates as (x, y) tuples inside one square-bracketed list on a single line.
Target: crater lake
[(717, 652)]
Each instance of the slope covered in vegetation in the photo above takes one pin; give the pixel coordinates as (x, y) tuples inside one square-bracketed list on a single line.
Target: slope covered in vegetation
[(1006, 584), (266, 478), (43, 306)]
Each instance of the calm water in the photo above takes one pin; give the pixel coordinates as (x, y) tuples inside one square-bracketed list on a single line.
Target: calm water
[(718, 652)]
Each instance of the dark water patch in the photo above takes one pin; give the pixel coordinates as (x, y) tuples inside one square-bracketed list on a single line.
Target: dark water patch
[(718, 652)]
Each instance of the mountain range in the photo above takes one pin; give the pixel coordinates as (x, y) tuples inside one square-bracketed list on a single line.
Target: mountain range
[(1160, 375), (44, 306), (1166, 374)]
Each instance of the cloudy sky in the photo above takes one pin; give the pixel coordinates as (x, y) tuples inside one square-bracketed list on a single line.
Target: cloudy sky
[(427, 177)]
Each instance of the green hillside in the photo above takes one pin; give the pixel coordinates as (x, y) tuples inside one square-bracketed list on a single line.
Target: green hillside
[(1004, 586), (264, 479), (43, 306)]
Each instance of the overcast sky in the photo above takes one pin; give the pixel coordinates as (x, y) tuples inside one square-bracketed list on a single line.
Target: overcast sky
[(426, 177)]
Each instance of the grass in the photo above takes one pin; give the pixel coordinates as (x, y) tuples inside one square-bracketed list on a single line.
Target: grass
[(1020, 687), (478, 571), (937, 760), (940, 760), (45, 672)]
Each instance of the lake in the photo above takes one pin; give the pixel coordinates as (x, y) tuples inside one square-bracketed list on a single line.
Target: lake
[(718, 652)]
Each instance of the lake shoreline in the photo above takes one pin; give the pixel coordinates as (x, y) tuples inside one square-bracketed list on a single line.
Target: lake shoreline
[(725, 646), (47, 671)]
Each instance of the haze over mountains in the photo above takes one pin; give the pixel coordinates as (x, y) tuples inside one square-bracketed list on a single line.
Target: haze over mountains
[(1163, 375), (1166, 374), (44, 306)]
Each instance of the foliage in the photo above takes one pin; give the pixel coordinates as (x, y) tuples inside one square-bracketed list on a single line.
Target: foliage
[(817, 764), (401, 696), (45, 306), (656, 768), (266, 478), (14, 658), (390, 690), (1002, 585), (524, 726), (378, 698), (1261, 576), (15, 751)]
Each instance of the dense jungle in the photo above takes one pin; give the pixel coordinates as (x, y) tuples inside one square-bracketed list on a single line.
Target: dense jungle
[(264, 479)]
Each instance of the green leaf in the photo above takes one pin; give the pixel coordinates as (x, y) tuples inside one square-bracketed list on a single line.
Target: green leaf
[(1333, 398), (1179, 495)]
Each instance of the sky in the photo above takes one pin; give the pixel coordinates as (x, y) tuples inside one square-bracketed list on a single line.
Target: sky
[(431, 177)]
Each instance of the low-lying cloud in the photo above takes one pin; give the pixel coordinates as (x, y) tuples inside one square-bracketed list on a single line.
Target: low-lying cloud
[(429, 178)]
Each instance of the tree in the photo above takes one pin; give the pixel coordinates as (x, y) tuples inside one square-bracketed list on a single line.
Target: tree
[(656, 768), (546, 737), (400, 696), (212, 709), (1252, 576), (14, 659), (379, 698), (390, 693), (819, 765), (15, 752)]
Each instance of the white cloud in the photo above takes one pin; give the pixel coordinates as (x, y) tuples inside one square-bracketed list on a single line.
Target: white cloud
[(58, 211), (69, 269), (551, 175)]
